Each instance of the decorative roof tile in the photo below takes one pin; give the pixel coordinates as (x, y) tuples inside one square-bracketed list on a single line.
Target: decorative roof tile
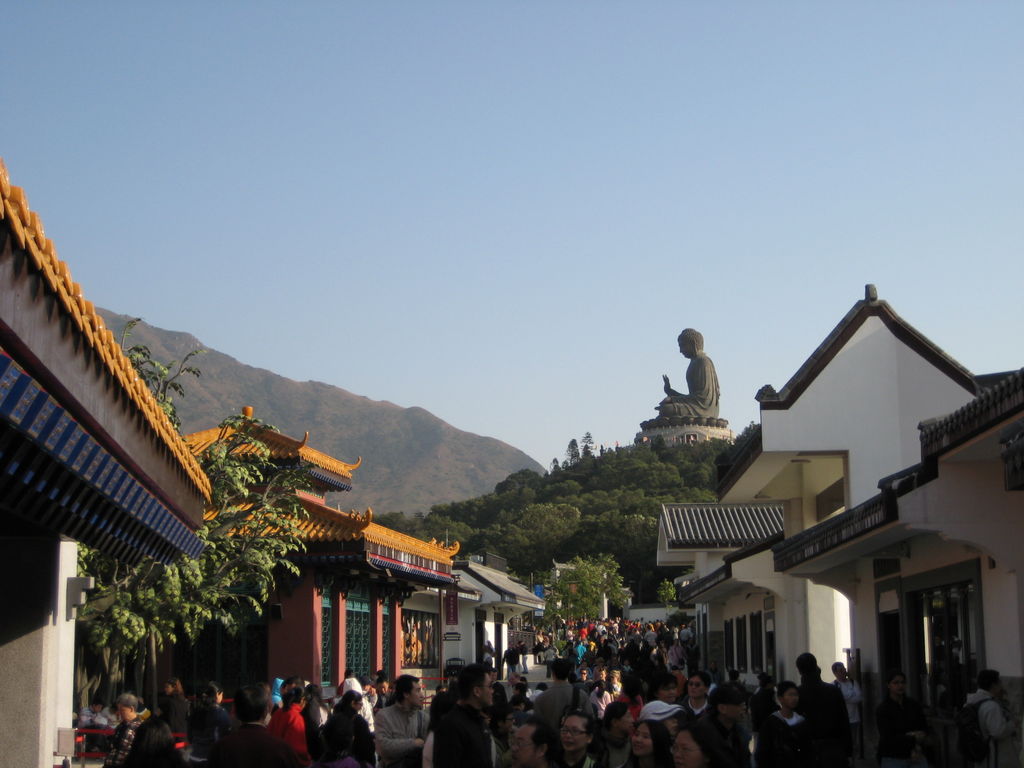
[(27, 231), (282, 448), (719, 526), (329, 524), (994, 405), (325, 523), (689, 593), (838, 530), (432, 550)]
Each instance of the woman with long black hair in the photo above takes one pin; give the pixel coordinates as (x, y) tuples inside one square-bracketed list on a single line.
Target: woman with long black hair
[(652, 746), (207, 724)]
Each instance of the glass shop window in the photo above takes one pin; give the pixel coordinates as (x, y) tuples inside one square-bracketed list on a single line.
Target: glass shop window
[(946, 619)]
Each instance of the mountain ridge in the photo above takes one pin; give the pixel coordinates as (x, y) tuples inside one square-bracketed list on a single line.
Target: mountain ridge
[(411, 458)]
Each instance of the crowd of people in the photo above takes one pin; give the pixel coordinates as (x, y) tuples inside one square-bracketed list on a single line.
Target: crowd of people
[(615, 695)]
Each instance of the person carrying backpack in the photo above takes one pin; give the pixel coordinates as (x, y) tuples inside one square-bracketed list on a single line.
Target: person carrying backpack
[(562, 697), (985, 727)]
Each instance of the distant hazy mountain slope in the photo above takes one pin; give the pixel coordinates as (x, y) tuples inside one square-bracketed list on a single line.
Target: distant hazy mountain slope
[(411, 458)]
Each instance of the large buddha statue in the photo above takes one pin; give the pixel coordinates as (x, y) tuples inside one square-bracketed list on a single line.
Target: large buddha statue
[(702, 399)]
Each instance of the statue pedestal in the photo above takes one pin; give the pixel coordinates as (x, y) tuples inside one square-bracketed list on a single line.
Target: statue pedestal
[(683, 429)]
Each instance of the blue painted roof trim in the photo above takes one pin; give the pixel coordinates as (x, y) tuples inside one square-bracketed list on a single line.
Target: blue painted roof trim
[(33, 412), (423, 574), (330, 478)]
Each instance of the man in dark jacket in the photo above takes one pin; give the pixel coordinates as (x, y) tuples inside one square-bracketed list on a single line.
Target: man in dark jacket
[(252, 746), (824, 708), (463, 738), (728, 743), (511, 659)]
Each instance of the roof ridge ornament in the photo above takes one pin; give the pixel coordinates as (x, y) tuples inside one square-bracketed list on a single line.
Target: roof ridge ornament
[(870, 293)]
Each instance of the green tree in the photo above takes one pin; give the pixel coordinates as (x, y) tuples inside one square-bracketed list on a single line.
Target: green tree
[(581, 587), (587, 445), (572, 453), (618, 495), (666, 594), (250, 529), (163, 379), (532, 538)]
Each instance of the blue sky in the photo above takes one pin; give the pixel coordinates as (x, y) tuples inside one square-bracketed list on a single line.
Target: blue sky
[(506, 212)]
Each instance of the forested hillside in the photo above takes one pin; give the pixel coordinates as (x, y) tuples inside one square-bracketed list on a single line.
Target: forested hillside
[(588, 505)]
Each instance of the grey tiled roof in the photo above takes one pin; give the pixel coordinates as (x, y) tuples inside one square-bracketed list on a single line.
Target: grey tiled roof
[(511, 591), (689, 526)]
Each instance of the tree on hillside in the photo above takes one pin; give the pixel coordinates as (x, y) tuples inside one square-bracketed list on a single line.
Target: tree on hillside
[(587, 445), (530, 540), (572, 453), (580, 588), (618, 495), (161, 378)]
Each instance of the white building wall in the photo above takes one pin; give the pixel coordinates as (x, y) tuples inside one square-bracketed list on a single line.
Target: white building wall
[(823, 632), (867, 401), (1000, 594), (864, 618)]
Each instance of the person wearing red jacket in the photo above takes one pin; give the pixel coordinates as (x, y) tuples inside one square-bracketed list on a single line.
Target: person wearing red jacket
[(288, 724)]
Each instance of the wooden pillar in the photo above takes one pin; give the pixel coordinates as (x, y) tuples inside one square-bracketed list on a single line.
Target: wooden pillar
[(293, 632), (340, 603), (395, 662), (376, 630)]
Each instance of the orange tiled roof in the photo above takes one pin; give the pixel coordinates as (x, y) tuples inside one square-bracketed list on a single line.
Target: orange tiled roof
[(328, 524), (28, 232), (280, 446), (433, 549)]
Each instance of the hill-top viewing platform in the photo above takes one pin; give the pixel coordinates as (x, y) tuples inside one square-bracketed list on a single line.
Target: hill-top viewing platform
[(684, 429)]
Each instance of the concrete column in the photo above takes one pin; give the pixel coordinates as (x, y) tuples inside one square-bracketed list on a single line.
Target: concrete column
[(716, 637), (791, 626), (36, 647)]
